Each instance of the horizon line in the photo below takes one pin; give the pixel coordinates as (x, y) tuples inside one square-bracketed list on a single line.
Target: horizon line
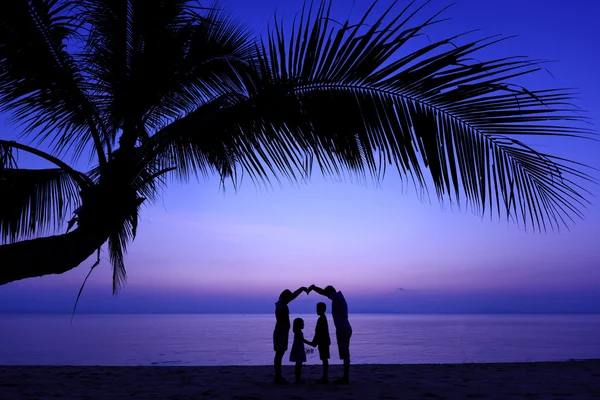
[(303, 313)]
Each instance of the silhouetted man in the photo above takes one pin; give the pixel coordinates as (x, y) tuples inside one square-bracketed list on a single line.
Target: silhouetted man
[(282, 329), (343, 330)]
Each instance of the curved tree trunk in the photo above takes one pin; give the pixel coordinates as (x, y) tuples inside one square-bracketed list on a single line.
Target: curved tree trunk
[(48, 255)]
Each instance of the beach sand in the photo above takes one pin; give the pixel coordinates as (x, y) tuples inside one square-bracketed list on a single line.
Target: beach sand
[(559, 380)]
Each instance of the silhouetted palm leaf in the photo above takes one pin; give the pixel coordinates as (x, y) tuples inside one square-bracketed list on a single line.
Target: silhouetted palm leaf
[(7, 156), (117, 248), (345, 97), (40, 82), (153, 61), (186, 89), (34, 202)]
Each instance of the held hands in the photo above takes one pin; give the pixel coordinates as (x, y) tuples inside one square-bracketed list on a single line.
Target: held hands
[(309, 289)]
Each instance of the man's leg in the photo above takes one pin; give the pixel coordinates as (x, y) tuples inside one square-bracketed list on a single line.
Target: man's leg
[(346, 377), (347, 359), (346, 368), (325, 370), (343, 339)]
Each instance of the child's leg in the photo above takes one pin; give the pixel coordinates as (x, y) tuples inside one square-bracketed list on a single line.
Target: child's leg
[(298, 371), (325, 369), (324, 356)]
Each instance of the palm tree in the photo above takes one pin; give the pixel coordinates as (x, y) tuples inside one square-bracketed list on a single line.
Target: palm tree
[(153, 88)]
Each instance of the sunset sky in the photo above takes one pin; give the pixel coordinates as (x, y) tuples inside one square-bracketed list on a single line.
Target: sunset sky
[(203, 250)]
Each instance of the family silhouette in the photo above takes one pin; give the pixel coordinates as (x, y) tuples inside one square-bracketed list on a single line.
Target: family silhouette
[(321, 339)]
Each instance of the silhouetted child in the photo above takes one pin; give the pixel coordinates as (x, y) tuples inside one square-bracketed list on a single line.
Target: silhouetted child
[(322, 340), (298, 355)]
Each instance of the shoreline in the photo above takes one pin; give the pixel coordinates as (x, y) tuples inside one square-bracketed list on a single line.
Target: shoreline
[(573, 379), (333, 362)]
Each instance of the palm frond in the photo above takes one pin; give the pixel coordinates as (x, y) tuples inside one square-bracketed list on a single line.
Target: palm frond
[(8, 159), (345, 98), (190, 151), (152, 61), (117, 246), (40, 82), (432, 107), (215, 52), (34, 202), (7, 156)]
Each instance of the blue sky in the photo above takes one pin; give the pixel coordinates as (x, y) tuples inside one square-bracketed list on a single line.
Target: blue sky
[(202, 250)]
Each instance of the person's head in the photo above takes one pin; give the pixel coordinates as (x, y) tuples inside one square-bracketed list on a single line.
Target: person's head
[(329, 290), (298, 324), (285, 295), (321, 308)]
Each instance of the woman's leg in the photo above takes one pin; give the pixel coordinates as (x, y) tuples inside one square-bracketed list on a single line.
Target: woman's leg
[(278, 360), (280, 345)]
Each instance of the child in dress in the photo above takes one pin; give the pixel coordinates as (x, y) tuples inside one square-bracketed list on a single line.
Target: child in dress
[(322, 340), (298, 355)]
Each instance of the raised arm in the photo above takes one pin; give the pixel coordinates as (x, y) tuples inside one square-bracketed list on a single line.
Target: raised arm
[(297, 293), (318, 290)]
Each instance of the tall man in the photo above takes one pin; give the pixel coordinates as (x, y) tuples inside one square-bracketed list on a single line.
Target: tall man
[(282, 329), (343, 330)]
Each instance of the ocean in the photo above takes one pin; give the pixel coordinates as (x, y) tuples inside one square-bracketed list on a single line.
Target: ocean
[(206, 339)]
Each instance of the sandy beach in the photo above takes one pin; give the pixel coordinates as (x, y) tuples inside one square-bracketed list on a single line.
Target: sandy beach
[(552, 380)]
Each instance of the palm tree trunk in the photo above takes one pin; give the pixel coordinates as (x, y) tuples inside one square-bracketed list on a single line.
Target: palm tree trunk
[(48, 255)]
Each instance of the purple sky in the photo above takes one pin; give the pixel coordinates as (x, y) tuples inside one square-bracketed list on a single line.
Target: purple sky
[(203, 250)]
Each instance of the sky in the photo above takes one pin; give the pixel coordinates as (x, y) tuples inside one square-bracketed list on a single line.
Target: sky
[(204, 250)]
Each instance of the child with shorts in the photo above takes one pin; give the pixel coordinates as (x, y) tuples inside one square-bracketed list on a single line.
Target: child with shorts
[(322, 340)]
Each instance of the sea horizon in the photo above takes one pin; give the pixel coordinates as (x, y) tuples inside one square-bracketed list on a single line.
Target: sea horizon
[(246, 339), (299, 313)]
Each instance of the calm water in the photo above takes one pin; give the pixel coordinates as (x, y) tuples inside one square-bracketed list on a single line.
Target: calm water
[(246, 339)]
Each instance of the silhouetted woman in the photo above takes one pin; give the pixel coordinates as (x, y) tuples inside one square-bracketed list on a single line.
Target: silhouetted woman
[(282, 329)]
